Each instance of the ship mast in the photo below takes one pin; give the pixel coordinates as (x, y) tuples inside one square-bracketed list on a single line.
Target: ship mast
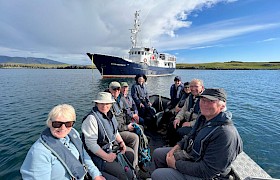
[(135, 30)]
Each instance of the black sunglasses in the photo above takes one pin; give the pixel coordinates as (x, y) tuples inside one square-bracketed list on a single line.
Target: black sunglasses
[(58, 124), (114, 89)]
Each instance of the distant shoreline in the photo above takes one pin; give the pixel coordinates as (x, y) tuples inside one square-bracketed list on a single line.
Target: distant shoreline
[(232, 65)]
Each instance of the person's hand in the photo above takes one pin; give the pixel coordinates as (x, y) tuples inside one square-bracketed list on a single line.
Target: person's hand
[(141, 105), (111, 157), (99, 178), (136, 118), (130, 127), (170, 160), (150, 104), (171, 152), (176, 123), (177, 109), (186, 124), (122, 147)]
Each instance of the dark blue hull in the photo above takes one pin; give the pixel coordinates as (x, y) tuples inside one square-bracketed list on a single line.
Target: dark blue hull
[(110, 66)]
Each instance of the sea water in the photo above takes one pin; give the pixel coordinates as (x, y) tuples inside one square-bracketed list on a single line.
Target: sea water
[(27, 96)]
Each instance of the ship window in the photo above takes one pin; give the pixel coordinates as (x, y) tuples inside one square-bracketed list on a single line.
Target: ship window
[(142, 53), (138, 52)]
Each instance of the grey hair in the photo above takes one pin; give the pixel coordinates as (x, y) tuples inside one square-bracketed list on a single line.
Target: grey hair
[(197, 80), (222, 103)]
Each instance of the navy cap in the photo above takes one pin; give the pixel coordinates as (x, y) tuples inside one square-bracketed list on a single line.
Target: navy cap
[(215, 94), (177, 78), (186, 84)]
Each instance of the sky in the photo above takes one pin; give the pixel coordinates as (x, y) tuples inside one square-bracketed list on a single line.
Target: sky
[(195, 31)]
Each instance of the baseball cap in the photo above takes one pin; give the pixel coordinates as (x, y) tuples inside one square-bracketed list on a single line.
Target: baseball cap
[(214, 94), (114, 84)]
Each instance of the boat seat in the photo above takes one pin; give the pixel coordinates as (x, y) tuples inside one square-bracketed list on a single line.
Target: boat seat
[(245, 168)]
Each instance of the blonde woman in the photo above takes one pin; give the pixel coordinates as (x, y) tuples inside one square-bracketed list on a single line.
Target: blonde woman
[(59, 153)]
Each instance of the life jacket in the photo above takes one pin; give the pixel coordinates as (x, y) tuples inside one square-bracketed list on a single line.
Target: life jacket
[(183, 99), (176, 94), (194, 104), (196, 144), (75, 167), (106, 139), (118, 107)]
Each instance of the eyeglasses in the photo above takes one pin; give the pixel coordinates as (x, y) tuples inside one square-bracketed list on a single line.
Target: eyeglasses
[(115, 89), (58, 124)]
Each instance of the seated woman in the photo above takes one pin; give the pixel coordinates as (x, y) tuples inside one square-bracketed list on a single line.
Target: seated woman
[(100, 134), (59, 152), (139, 93)]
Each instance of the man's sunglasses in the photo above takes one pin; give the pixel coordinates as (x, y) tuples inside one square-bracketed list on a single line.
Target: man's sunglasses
[(114, 89), (58, 124)]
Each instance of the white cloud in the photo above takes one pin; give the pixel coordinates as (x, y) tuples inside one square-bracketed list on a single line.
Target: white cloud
[(65, 30), (269, 39), (211, 33)]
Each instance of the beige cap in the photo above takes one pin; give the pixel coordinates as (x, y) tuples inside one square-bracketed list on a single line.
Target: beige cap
[(124, 84), (114, 84)]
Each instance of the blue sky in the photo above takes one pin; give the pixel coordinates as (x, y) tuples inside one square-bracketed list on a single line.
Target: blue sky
[(195, 31)]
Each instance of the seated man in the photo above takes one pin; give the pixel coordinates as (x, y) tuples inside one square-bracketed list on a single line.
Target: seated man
[(186, 93), (169, 114), (185, 119), (125, 126), (209, 149), (139, 93), (176, 91), (129, 104)]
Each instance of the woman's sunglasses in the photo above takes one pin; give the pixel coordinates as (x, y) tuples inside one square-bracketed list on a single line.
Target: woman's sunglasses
[(58, 124), (115, 89)]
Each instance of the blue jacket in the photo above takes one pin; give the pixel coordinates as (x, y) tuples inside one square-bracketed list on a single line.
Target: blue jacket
[(130, 105), (140, 94), (41, 163), (183, 99), (176, 94), (213, 145)]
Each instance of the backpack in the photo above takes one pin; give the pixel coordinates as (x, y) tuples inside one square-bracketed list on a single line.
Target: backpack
[(144, 151)]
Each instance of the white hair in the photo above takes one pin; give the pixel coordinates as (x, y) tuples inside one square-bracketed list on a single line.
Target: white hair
[(222, 103)]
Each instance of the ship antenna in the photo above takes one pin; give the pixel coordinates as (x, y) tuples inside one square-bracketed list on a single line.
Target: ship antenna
[(135, 30)]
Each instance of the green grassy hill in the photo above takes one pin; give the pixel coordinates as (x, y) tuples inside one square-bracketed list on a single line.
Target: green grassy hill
[(232, 65)]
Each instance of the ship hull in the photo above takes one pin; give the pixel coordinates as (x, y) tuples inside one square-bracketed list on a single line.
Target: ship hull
[(111, 67)]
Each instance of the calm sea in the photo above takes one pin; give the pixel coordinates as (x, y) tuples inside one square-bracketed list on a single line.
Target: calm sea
[(27, 95)]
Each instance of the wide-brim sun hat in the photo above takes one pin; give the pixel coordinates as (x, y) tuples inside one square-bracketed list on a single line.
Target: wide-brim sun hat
[(104, 97)]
